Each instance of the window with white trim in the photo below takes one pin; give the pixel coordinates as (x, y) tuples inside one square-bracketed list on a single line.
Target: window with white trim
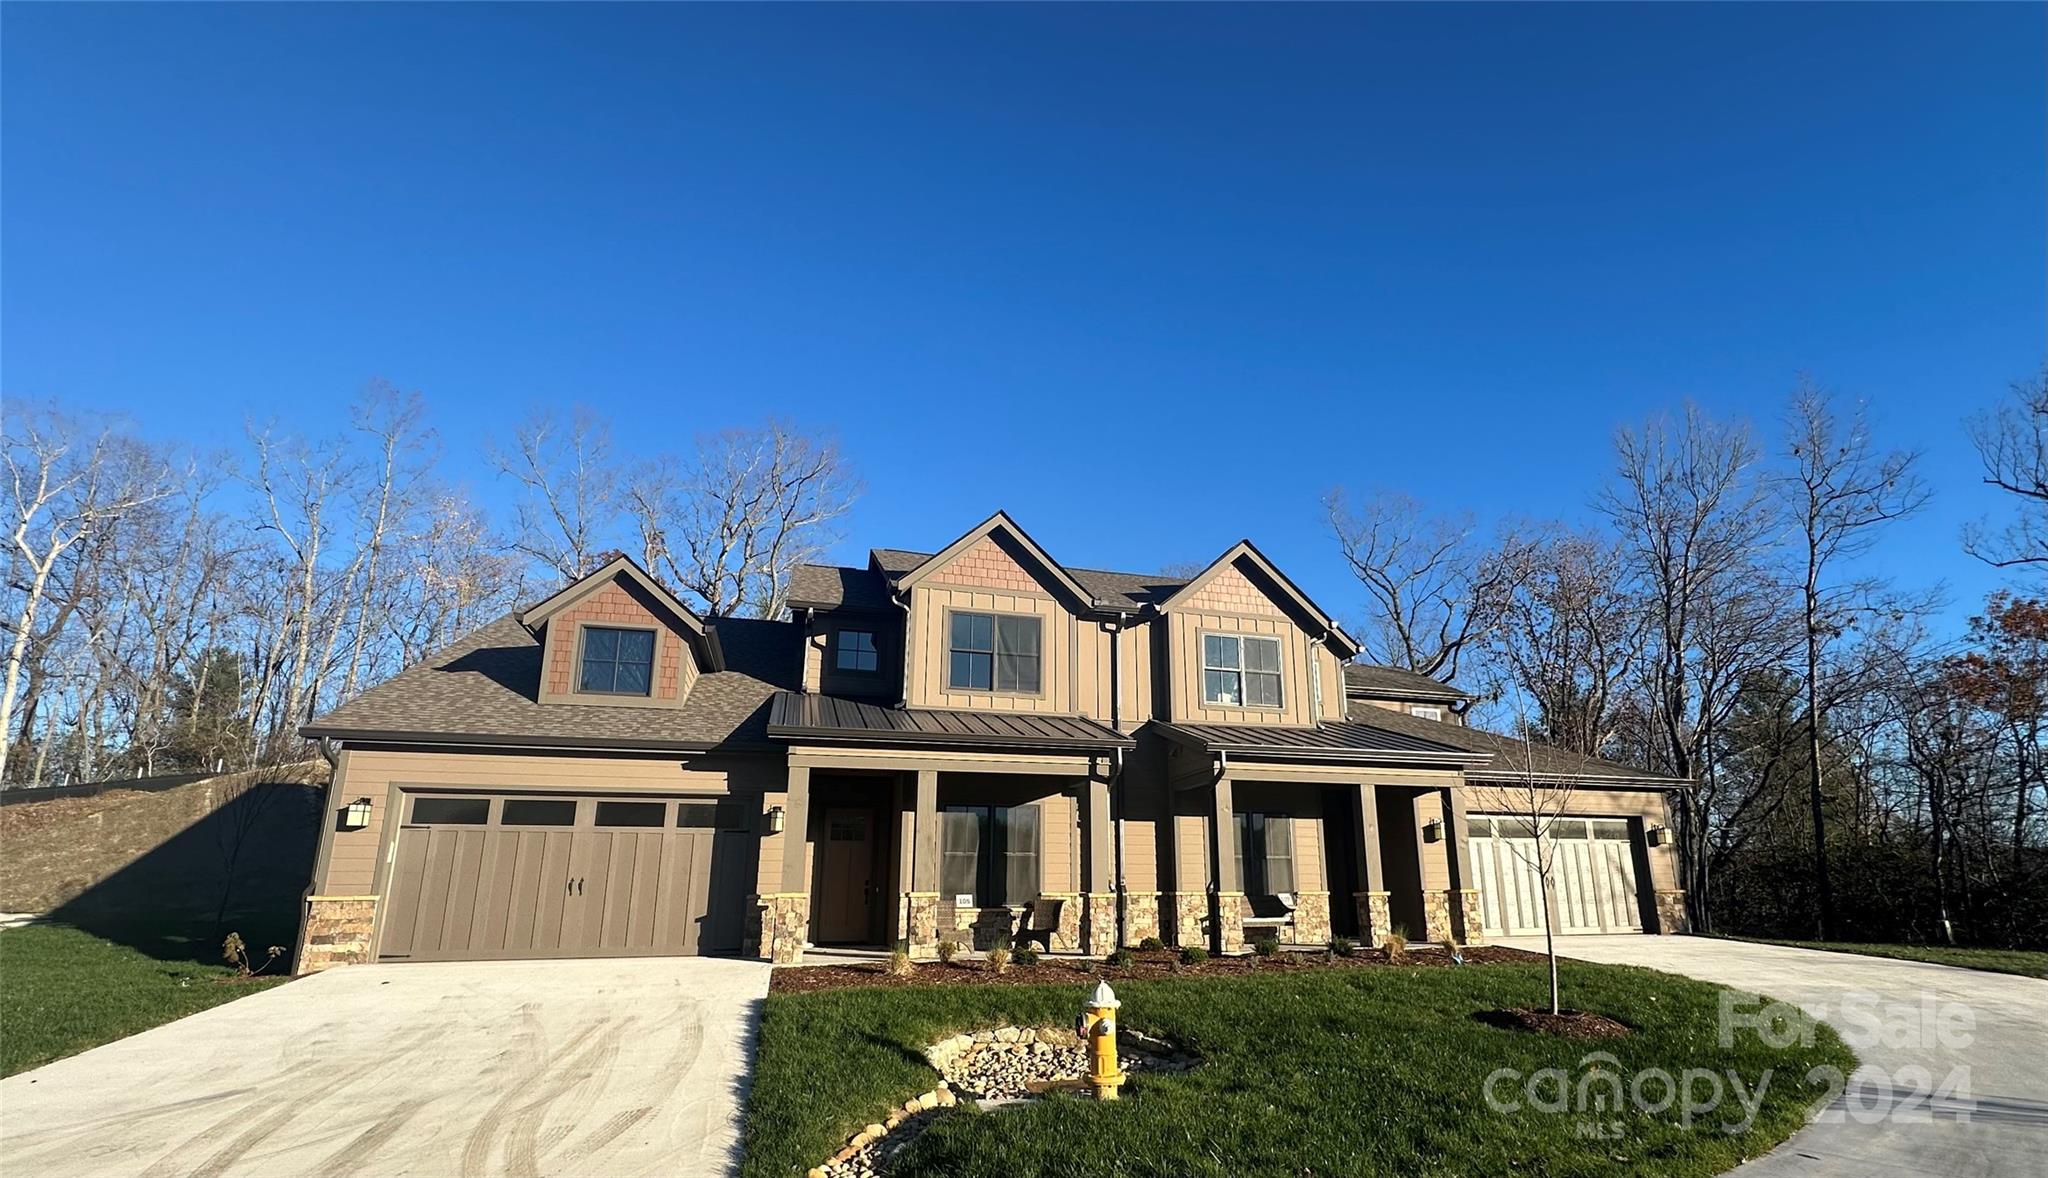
[(1241, 671), (1426, 713)]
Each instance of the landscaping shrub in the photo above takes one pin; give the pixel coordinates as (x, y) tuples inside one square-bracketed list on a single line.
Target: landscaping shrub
[(1193, 955), (1342, 946), (1265, 946), (998, 960), (948, 950), (1121, 957), (1024, 955), (1397, 943), (899, 963), (1151, 944)]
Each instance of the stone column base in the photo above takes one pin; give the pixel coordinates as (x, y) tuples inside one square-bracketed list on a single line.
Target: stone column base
[(921, 924), (1227, 922), (1466, 916), (1312, 918), (338, 932), (1067, 937), (1141, 916), (1375, 917), (1190, 919), (785, 922), (1671, 914), (1436, 916), (1100, 928)]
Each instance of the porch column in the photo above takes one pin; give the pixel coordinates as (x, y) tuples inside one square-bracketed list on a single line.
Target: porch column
[(1464, 889), (1226, 911), (786, 912), (1375, 915), (921, 902), (1098, 853)]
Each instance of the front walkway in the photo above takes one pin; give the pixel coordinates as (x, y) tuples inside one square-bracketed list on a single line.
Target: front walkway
[(1914, 1026), (593, 1067)]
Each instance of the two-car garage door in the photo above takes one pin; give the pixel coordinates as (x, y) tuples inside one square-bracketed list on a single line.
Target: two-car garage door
[(532, 875), (1593, 870)]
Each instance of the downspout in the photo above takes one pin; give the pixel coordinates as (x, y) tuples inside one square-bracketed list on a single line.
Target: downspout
[(1315, 679), (1116, 760), (903, 682)]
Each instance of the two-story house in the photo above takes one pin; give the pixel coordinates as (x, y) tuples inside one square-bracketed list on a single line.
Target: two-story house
[(962, 745)]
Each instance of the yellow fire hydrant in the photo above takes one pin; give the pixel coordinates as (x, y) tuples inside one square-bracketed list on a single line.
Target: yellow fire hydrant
[(1097, 1028)]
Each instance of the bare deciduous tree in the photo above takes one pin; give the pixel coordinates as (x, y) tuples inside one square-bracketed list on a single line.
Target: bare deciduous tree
[(2012, 440), (1842, 489), (1435, 589), (1536, 799), (569, 482), (731, 524), (67, 481), (1570, 637)]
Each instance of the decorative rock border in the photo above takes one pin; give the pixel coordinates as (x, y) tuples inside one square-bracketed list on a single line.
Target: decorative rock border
[(1004, 1065)]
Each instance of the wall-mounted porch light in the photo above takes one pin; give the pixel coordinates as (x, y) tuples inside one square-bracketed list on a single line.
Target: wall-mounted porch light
[(356, 815), (776, 820), (1433, 831), (1658, 836)]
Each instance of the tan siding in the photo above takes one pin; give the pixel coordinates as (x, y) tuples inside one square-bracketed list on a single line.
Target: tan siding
[(1231, 592), (931, 605), (1092, 673), (1191, 846), (1308, 855), (1059, 864), (1436, 873), (615, 604), (1187, 628), (1141, 855)]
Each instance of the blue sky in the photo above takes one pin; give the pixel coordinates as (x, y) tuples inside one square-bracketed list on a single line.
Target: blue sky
[(1440, 249)]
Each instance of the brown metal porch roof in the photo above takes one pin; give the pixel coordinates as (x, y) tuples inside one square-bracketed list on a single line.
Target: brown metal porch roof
[(797, 716), (1337, 740)]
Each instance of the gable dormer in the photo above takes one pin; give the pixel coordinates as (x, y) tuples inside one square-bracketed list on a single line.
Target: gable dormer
[(1244, 645), (617, 638), (993, 624)]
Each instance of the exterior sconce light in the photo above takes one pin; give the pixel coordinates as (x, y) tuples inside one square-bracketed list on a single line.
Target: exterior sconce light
[(1659, 836), (1433, 831), (776, 820), (356, 815)]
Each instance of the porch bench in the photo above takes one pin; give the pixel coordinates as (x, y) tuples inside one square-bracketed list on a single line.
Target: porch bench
[(1269, 914), (1041, 921)]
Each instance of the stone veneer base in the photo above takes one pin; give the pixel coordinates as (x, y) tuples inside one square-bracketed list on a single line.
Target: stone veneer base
[(1226, 915), (1100, 928), (1671, 914), (1141, 916), (785, 922), (338, 931), (1375, 917)]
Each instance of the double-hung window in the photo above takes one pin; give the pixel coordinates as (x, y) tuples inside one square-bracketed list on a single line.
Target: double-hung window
[(617, 661), (989, 853), (1241, 670), (1265, 854), (855, 651), (993, 652)]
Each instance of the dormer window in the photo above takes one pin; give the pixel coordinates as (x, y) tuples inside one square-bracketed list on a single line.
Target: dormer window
[(855, 652), (1427, 713), (1241, 671), (994, 652), (616, 661)]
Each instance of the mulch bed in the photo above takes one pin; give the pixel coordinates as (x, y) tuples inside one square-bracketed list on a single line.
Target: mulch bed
[(1147, 965), (1566, 1024)]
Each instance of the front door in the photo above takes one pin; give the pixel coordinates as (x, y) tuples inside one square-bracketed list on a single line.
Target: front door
[(846, 876)]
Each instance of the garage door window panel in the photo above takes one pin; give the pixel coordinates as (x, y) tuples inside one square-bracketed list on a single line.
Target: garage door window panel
[(632, 814), (451, 811), (538, 812)]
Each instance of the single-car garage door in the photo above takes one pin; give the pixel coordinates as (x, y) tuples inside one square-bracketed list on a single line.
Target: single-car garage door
[(1593, 867), (538, 875)]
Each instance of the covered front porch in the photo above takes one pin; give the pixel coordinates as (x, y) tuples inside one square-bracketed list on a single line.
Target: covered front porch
[(1305, 834), (912, 827)]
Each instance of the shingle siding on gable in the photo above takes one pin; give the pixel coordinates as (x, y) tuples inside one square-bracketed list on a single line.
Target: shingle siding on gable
[(615, 605), (985, 565), (1231, 592)]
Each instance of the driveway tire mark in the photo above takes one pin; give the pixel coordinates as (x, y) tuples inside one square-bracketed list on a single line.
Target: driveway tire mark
[(353, 1156), (593, 1065)]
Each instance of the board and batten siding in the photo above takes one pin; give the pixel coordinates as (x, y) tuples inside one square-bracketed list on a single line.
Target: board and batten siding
[(352, 858), (932, 606)]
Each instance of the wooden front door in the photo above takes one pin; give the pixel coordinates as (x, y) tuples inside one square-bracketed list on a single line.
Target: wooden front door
[(846, 877)]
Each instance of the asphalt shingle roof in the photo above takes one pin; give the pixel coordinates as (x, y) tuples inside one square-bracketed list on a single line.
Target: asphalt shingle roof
[(1397, 683), (839, 587), (1510, 756), (486, 687)]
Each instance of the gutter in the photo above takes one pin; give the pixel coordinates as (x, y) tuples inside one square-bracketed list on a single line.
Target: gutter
[(902, 602), (473, 740), (1116, 779)]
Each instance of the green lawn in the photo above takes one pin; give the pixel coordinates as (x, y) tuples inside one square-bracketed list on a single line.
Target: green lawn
[(2030, 963), (63, 990), (1307, 1073)]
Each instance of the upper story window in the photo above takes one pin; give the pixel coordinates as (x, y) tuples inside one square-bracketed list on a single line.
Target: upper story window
[(855, 652), (1426, 713), (1240, 670), (617, 661), (994, 652)]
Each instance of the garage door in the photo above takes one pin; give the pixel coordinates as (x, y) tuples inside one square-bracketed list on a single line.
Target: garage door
[(1593, 873), (539, 875)]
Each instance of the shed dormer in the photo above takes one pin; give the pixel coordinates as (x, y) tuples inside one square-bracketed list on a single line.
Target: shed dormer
[(617, 638)]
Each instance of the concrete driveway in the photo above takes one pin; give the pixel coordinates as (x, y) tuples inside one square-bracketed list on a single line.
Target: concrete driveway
[(1914, 1027), (600, 1067)]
